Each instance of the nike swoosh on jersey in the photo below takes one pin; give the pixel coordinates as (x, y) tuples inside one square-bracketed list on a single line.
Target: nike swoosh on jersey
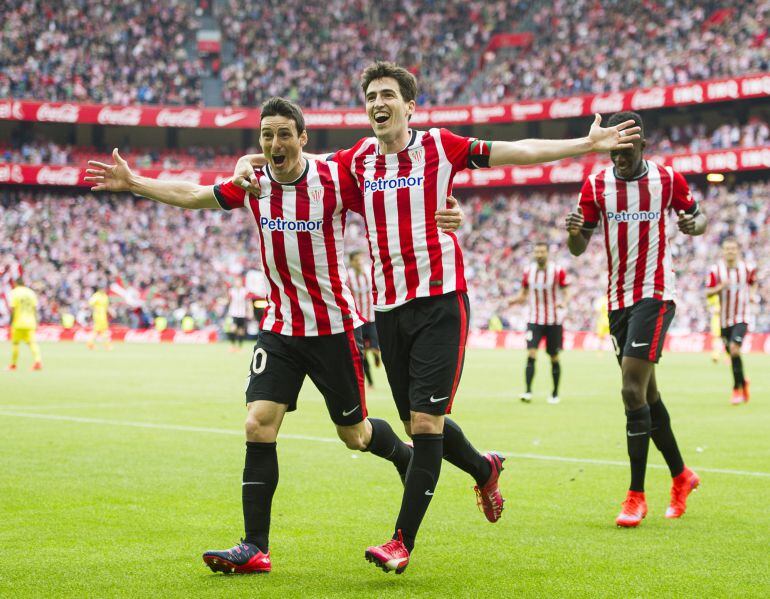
[(635, 344), (437, 399), (348, 413)]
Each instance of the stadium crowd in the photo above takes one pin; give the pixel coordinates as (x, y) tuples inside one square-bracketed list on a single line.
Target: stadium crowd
[(140, 52), (180, 262), (99, 51)]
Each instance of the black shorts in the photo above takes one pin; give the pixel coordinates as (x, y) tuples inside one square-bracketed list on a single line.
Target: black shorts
[(640, 330), (239, 323), (369, 331), (334, 363), (423, 349), (734, 334), (553, 333)]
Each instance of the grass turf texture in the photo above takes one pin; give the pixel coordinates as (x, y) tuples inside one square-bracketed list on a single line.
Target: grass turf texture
[(98, 508)]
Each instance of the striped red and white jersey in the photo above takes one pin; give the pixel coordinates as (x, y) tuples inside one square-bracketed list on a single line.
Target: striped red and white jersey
[(735, 297), (300, 227), (545, 287), (239, 299), (361, 286), (411, 257), (633, 214)]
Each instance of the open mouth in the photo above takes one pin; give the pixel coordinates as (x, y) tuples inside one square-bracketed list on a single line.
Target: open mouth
[(279, 160), (381, 118)]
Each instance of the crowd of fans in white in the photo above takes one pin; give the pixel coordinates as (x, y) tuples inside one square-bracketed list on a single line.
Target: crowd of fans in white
[(181, 262), (142, 51)]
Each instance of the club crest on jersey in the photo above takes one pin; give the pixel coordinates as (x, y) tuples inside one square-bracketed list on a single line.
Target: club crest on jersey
[(626, 216), (316, 193), (417, 154)]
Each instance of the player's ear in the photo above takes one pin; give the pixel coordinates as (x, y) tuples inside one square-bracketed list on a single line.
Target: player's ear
[(410, 106), (303, 138), (643, 144)]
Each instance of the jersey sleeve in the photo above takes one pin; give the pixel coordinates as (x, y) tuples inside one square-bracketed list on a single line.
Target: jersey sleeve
[(345, 157), (752, 278), (711, 278), (587, 203), (352, 198), (525, 280), (681, 196), (460, 150), (563, 280), (229, 195)]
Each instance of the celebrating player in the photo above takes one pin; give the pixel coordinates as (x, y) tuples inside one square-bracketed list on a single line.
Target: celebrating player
[(733, 282), (361, 287), (23, 303), (100, 303), (542, 285), (310, 328), (632, 200)]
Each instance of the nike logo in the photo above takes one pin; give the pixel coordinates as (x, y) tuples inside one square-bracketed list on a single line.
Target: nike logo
[(739, 338), (223, 120), (635, 344), (429, 492), (438, 399), (348, 413), (249, 483), (630, 434)]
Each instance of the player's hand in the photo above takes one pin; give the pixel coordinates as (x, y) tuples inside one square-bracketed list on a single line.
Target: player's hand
[(109, 177), (450, 218), (575, 221), (243, 175), (617, 137), (685, 222)]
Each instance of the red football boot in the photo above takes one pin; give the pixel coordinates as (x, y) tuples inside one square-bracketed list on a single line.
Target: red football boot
[(746, 394), (737, 397), (681, 487), (393, 555), (244, 558), (634, 510), (37, 366), (488, 498), (11, 367)]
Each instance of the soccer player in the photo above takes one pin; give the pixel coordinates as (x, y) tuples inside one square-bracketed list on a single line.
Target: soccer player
[(361, 287), (632, 200), (100, 303), (715, 326), (421, 304), (310, 328), (239, 309), (733, 281), (542, 286), (23, 303)]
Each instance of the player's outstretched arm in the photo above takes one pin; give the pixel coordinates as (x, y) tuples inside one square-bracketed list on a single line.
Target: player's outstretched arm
[(691, 224), (577, 236), (535, 151), (119, 177)]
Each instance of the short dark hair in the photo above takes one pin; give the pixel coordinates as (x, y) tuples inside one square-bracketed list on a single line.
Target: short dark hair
[(541, 243), (407, 83), (626, 115), (276, 106)]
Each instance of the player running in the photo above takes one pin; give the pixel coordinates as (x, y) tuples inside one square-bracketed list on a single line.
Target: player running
[(100, 303), (545, 288), (361, 286), (420, 293), (310, 328), (632, 201), (23, 303), (733, 281)]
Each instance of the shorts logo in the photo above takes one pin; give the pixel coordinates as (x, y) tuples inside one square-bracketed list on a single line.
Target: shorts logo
[(279, 224), (626, 216), (395, 183), (417, 154), (316, 193)]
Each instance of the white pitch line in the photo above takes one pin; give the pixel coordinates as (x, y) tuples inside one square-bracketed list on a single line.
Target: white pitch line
[(225, 431)]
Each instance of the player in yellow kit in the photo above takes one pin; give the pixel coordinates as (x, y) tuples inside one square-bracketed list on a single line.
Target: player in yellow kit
[(23, 302), (715, 327), (602, 320), (100, 302)]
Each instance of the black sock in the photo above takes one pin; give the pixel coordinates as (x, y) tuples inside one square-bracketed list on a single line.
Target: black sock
[(664, 439), (638, 440), (556, 374), (260, 478), (420, 485), (368, 371), (737, 372), (459, 452), (386, 444), (530, 373), (240, 340)]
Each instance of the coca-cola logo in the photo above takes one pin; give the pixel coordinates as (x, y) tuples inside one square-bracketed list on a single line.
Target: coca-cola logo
[(723, 89), (610, 103), (567, 174), (64, 113), (522, 112), (524, 174), (691, 163), (570, 107), (722, 161), (688, 94), (187, 117), (756, 86), (759, 158), (11, 173), (129, 115), (462, 178), (58, 176), (11, 110), (650, 98), (483, 114)]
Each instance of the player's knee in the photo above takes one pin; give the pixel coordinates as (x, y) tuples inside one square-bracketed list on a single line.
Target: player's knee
[(408, 428), (427, 424), (633, 397), (735, 350), (354, 437), (532, 353), (260, 430), (555, 358)]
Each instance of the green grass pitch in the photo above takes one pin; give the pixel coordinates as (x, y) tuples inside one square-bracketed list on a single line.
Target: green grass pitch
[(118, 469)]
